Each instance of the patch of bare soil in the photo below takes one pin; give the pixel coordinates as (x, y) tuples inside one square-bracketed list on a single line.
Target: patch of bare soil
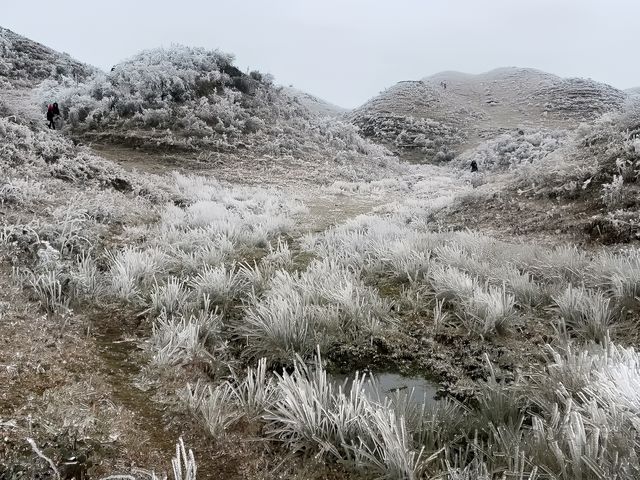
[(328, 210), (512, 217), (222, 166), (159, 161)]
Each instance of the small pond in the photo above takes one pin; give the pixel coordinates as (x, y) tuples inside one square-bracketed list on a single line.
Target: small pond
[(389, 385)]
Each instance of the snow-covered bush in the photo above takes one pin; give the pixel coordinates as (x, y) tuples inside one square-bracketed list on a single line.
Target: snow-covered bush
[(133, 270), (48, 290), (219, 285), (85, 277), (589, 404), (510, 150), (489, 310), (214, 406), (180, 339), (325, 304), (589, 315), (600, 167), (612, 193), (619, 274), (172, 297), (18, 191)]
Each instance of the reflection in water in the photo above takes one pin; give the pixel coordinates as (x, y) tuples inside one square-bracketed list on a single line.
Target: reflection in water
[(391, 385)]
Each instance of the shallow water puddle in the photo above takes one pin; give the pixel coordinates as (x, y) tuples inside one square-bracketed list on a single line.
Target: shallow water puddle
[(390, 385)]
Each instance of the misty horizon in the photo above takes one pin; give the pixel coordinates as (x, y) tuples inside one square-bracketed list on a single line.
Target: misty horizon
[(346, 53)]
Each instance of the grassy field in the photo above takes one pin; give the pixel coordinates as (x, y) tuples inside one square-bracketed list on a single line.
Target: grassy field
[(226, 303), (214, 307)]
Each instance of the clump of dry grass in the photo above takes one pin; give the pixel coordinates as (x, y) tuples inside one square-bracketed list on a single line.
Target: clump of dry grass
[(325, 304), (587, 314)]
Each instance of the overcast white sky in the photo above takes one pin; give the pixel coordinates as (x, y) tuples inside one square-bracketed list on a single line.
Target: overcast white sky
[(347, 51)]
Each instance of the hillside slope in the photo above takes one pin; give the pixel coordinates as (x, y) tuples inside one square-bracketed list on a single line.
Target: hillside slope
[(197, 103), (424, 120), (313, 103), (586, 186), (25, 63)]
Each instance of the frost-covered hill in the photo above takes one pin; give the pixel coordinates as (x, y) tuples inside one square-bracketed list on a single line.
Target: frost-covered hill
[(196, 102), (313, 103), (25, 63), (427, 121), (633, 91)]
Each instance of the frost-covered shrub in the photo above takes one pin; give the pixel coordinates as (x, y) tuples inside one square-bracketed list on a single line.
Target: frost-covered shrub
[(85, 278), (425, 139), (48, 290), (19, 191), (451, 284), (214, 406), (376, 245), (280, 256), (526, 291), (562, 263), (587, 314), (489, 310), (612, 193), (510, 150), (132, 270), (172, 297), (219, 285), (29, 156), (600, 166), (619, 274), (256, 393), (180, 339), (588, 399), (325, 304)]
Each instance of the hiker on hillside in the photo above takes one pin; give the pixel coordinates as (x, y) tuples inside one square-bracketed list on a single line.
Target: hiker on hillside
[(55, 116), (474, 166), (50, 117)]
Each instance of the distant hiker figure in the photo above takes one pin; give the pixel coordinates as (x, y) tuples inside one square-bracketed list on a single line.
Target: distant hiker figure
[(474, 166), (56, 118), (50, 117)]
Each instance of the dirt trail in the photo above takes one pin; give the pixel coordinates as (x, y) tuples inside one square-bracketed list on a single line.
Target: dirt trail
[(71, 382), (119, 354), (156, 428), (158, 163), (325, 209)]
